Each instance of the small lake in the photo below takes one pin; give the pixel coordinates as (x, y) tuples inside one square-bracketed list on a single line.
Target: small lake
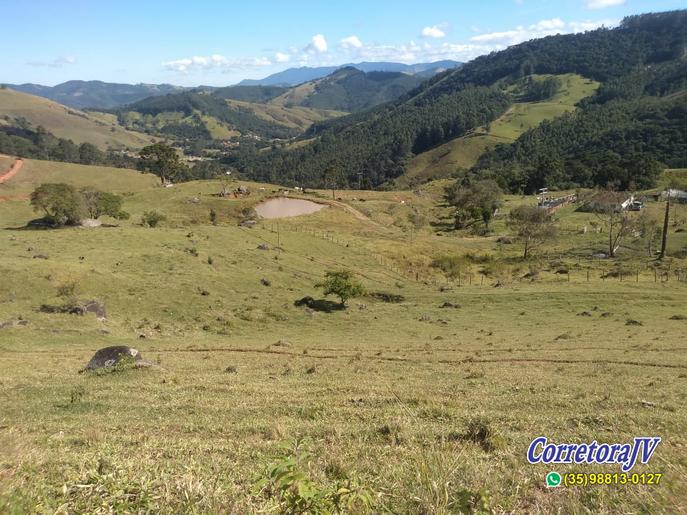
[(283, 207)]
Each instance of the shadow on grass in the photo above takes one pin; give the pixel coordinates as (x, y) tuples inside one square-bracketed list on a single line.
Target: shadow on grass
[(41, 224), (323, 305)]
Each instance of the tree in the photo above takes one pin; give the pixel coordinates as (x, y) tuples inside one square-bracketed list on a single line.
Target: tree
[(476, 201), (61, 203), (666, 219), (532, 225), (334, 178), (618, 222), (99, 203), (90, 154), (163, 161), (342, 284)]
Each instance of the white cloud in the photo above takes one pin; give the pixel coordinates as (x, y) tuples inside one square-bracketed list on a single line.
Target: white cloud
[(537, 30), (352, 49), (214, 62), (434, 31), (351, 42), (55, 63), (317, 45), (602, 4)]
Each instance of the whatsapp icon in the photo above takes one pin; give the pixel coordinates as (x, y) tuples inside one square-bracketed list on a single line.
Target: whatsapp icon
[(553, 479)]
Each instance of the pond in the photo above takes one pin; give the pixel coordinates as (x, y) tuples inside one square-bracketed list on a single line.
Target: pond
[(283, 207)]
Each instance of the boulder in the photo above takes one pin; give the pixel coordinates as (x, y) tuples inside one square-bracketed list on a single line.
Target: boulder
[(90, 222), (110, 356)]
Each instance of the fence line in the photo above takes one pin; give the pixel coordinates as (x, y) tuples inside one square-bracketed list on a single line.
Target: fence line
[(644, 274)]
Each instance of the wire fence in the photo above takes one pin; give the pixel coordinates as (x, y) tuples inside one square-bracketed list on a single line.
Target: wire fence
[(426, 275)]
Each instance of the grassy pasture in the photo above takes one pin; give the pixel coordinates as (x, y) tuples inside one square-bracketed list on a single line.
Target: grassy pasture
[(285, 114), (462, 153), (385, 393), (68, 123)]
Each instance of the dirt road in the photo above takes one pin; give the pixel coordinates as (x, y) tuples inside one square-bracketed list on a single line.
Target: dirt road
[(14, 169)]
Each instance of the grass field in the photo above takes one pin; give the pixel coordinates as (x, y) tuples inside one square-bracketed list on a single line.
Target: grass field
[(65, 122), (462, 153), (282, 113), (35, 172), (387, 397)]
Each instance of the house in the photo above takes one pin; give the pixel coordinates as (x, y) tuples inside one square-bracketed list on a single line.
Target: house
[(608, 200), (675, 195)]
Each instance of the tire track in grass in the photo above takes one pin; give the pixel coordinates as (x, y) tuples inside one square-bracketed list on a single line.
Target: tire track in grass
[(243, 350)]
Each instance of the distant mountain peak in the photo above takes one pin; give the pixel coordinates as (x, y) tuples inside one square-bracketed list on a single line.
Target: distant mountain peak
[(295, 76)]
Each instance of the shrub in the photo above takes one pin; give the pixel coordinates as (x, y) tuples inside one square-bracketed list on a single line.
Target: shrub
[(99, 203), (61, 203), (152, 218), (288, 483), (342, 285)]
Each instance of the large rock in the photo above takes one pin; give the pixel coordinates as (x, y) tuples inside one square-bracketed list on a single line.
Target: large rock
[(90, 222), (110, 356)]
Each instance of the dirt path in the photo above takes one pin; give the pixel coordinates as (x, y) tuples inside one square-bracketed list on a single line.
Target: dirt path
[(353, 211), (14, 169)]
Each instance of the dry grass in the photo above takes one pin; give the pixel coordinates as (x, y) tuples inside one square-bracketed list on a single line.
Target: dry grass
[(68, 123), (430, 409)]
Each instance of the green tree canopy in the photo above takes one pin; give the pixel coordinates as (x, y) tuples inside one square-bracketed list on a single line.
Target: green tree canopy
[(163, 161), (61, 203), (532, 225), (99, 203), (474, 202), (342, 284)]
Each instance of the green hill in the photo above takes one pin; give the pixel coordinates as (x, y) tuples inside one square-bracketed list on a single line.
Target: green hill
[(643, 57), (350, 90), (65, 122), (270, 112), (462, 153), (95, 94), (36, 172), (182, 115)]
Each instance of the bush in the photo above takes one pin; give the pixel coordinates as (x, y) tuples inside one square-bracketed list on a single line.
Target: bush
[(342, 285), (62, 204), (289, 484), (99, 203), (152, 218)]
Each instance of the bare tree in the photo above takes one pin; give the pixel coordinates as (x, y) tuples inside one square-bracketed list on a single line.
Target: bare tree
[(619, 225), (532, 225)]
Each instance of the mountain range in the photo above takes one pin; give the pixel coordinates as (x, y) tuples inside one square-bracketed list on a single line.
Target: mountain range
[(294, 76), (94, 93), (97, 94), (265, 111), (632, 126)]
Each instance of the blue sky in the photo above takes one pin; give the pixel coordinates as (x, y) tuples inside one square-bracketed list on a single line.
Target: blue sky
[(221, 42)]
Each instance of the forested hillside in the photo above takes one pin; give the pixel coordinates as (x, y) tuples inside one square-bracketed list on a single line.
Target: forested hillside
[(96, 94), (352, 90), (269, 112), (623, 144), (378, 145), (146, 116), (634, 124)]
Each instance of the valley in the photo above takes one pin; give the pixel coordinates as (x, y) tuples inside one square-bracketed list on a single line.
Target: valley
[(346, 288)]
